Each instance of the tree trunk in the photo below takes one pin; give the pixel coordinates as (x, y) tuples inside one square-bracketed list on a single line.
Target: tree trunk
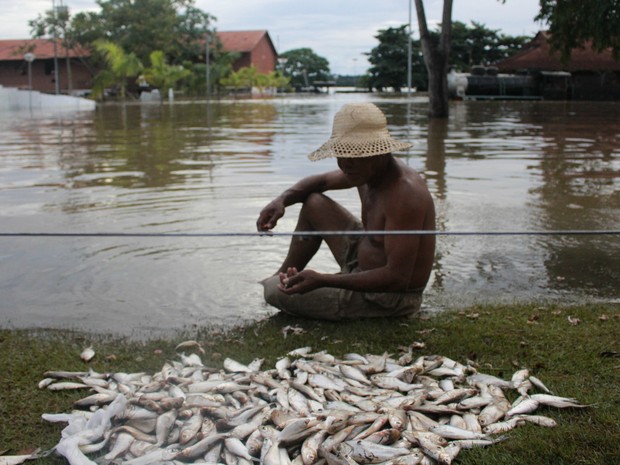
[(436, 58), (438, 86)]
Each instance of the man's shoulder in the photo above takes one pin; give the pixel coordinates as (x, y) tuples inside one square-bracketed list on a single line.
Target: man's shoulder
[(409, 189), (409, 179)]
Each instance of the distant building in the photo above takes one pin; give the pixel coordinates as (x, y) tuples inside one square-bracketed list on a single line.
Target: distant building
[(14, 67), (535, 72), (255, 47)]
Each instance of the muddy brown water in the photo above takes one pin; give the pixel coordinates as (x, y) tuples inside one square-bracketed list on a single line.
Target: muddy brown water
[(194, 167)]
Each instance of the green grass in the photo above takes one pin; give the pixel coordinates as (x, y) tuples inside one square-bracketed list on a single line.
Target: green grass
[(573, 360)]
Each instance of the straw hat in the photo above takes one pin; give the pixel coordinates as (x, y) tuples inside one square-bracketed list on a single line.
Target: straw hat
[(359, 130)]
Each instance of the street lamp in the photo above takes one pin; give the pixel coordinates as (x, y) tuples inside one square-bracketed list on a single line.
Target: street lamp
[(29, 57)]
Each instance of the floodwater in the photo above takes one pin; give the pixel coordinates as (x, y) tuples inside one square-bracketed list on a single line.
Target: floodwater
[(208, 169)]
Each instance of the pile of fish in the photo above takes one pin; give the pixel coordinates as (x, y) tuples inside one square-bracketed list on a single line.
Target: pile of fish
[(310, 408)]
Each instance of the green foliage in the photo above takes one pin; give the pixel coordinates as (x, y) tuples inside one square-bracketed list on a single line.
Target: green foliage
[(51, 23), (474, 44), (248, 77), (57, 25), (389, 60), (161, 75), (574, 22), (244, 78), (141, 26), (303, 66), (175, 27), (120, 67), (470, 45)]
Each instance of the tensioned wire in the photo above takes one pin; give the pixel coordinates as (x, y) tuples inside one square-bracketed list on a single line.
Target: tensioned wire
[(319, 233)]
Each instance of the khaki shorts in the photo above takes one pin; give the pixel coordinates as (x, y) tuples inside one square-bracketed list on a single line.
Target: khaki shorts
[(342, 304)]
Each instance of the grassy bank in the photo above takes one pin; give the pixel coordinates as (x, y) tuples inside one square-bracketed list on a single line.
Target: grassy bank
[(576, 358)]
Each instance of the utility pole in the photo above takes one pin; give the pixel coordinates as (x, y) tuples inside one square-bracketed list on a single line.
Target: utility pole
[(409, 54), (207, 62), (55, 36), (29, 57)]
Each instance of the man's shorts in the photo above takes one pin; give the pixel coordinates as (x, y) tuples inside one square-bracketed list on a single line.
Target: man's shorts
[(341, 304)]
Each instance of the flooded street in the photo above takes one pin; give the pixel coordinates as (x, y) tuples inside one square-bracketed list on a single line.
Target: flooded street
[(203, 168)]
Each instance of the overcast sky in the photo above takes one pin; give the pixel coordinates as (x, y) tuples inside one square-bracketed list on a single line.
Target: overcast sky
[(341, 31)]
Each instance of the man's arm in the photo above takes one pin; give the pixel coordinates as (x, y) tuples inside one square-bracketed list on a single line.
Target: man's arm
[(270, 215), (400, 256)]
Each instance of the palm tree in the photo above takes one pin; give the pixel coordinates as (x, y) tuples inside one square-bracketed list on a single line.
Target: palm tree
[(121, 67), (161, 75)]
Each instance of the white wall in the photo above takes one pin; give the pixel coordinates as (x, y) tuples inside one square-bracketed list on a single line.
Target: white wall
[(15, 99)]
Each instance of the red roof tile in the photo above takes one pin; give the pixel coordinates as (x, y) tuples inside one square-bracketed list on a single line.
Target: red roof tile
[(240, 41), (537, 55), (233, 41), (11, 50)]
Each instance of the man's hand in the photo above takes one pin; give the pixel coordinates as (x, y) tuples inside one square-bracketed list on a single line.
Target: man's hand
[(269, 216), (299, 282)]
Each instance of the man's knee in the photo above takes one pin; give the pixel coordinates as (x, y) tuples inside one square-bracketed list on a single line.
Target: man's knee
[(316, 202), (270, 289)]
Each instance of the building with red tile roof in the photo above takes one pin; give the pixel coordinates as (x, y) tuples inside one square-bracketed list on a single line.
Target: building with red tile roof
[(14, 67), (537, 56), (588, 75), (537, 72), (255, 49)]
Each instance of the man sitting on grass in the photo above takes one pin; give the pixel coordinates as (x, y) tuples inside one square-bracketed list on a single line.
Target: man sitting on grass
[(381, 275)]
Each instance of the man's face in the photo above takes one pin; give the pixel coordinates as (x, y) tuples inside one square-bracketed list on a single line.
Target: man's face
[(359, 170)]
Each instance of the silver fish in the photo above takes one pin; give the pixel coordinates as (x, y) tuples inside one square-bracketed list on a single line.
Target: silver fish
[(524, 406), (502, 426), (199, 448), (66, 386), (557, 401), (368, 452), (88, 354), (452, 432), (539, 420), (310, 447), (122, 442), (237, 447), (494, 411), (164, 425), (235, 367), (311, 408)]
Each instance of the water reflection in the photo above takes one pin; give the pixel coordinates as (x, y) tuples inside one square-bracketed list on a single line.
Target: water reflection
[(198, 167)]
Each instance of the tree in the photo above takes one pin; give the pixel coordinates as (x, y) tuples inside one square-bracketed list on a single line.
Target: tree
[(475, 44), (303, 67), (470, 45), (436, 56), (175, 27), (248, 77), (56, 24), (389, 59), (161, 75), (572, 23), (120, 67)]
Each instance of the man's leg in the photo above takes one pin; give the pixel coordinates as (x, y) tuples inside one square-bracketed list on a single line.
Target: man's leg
[(318, 213)]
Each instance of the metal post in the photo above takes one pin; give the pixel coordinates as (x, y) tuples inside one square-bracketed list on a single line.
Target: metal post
[(29, 57), (208, 77), (56, 78), (409, 54)]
